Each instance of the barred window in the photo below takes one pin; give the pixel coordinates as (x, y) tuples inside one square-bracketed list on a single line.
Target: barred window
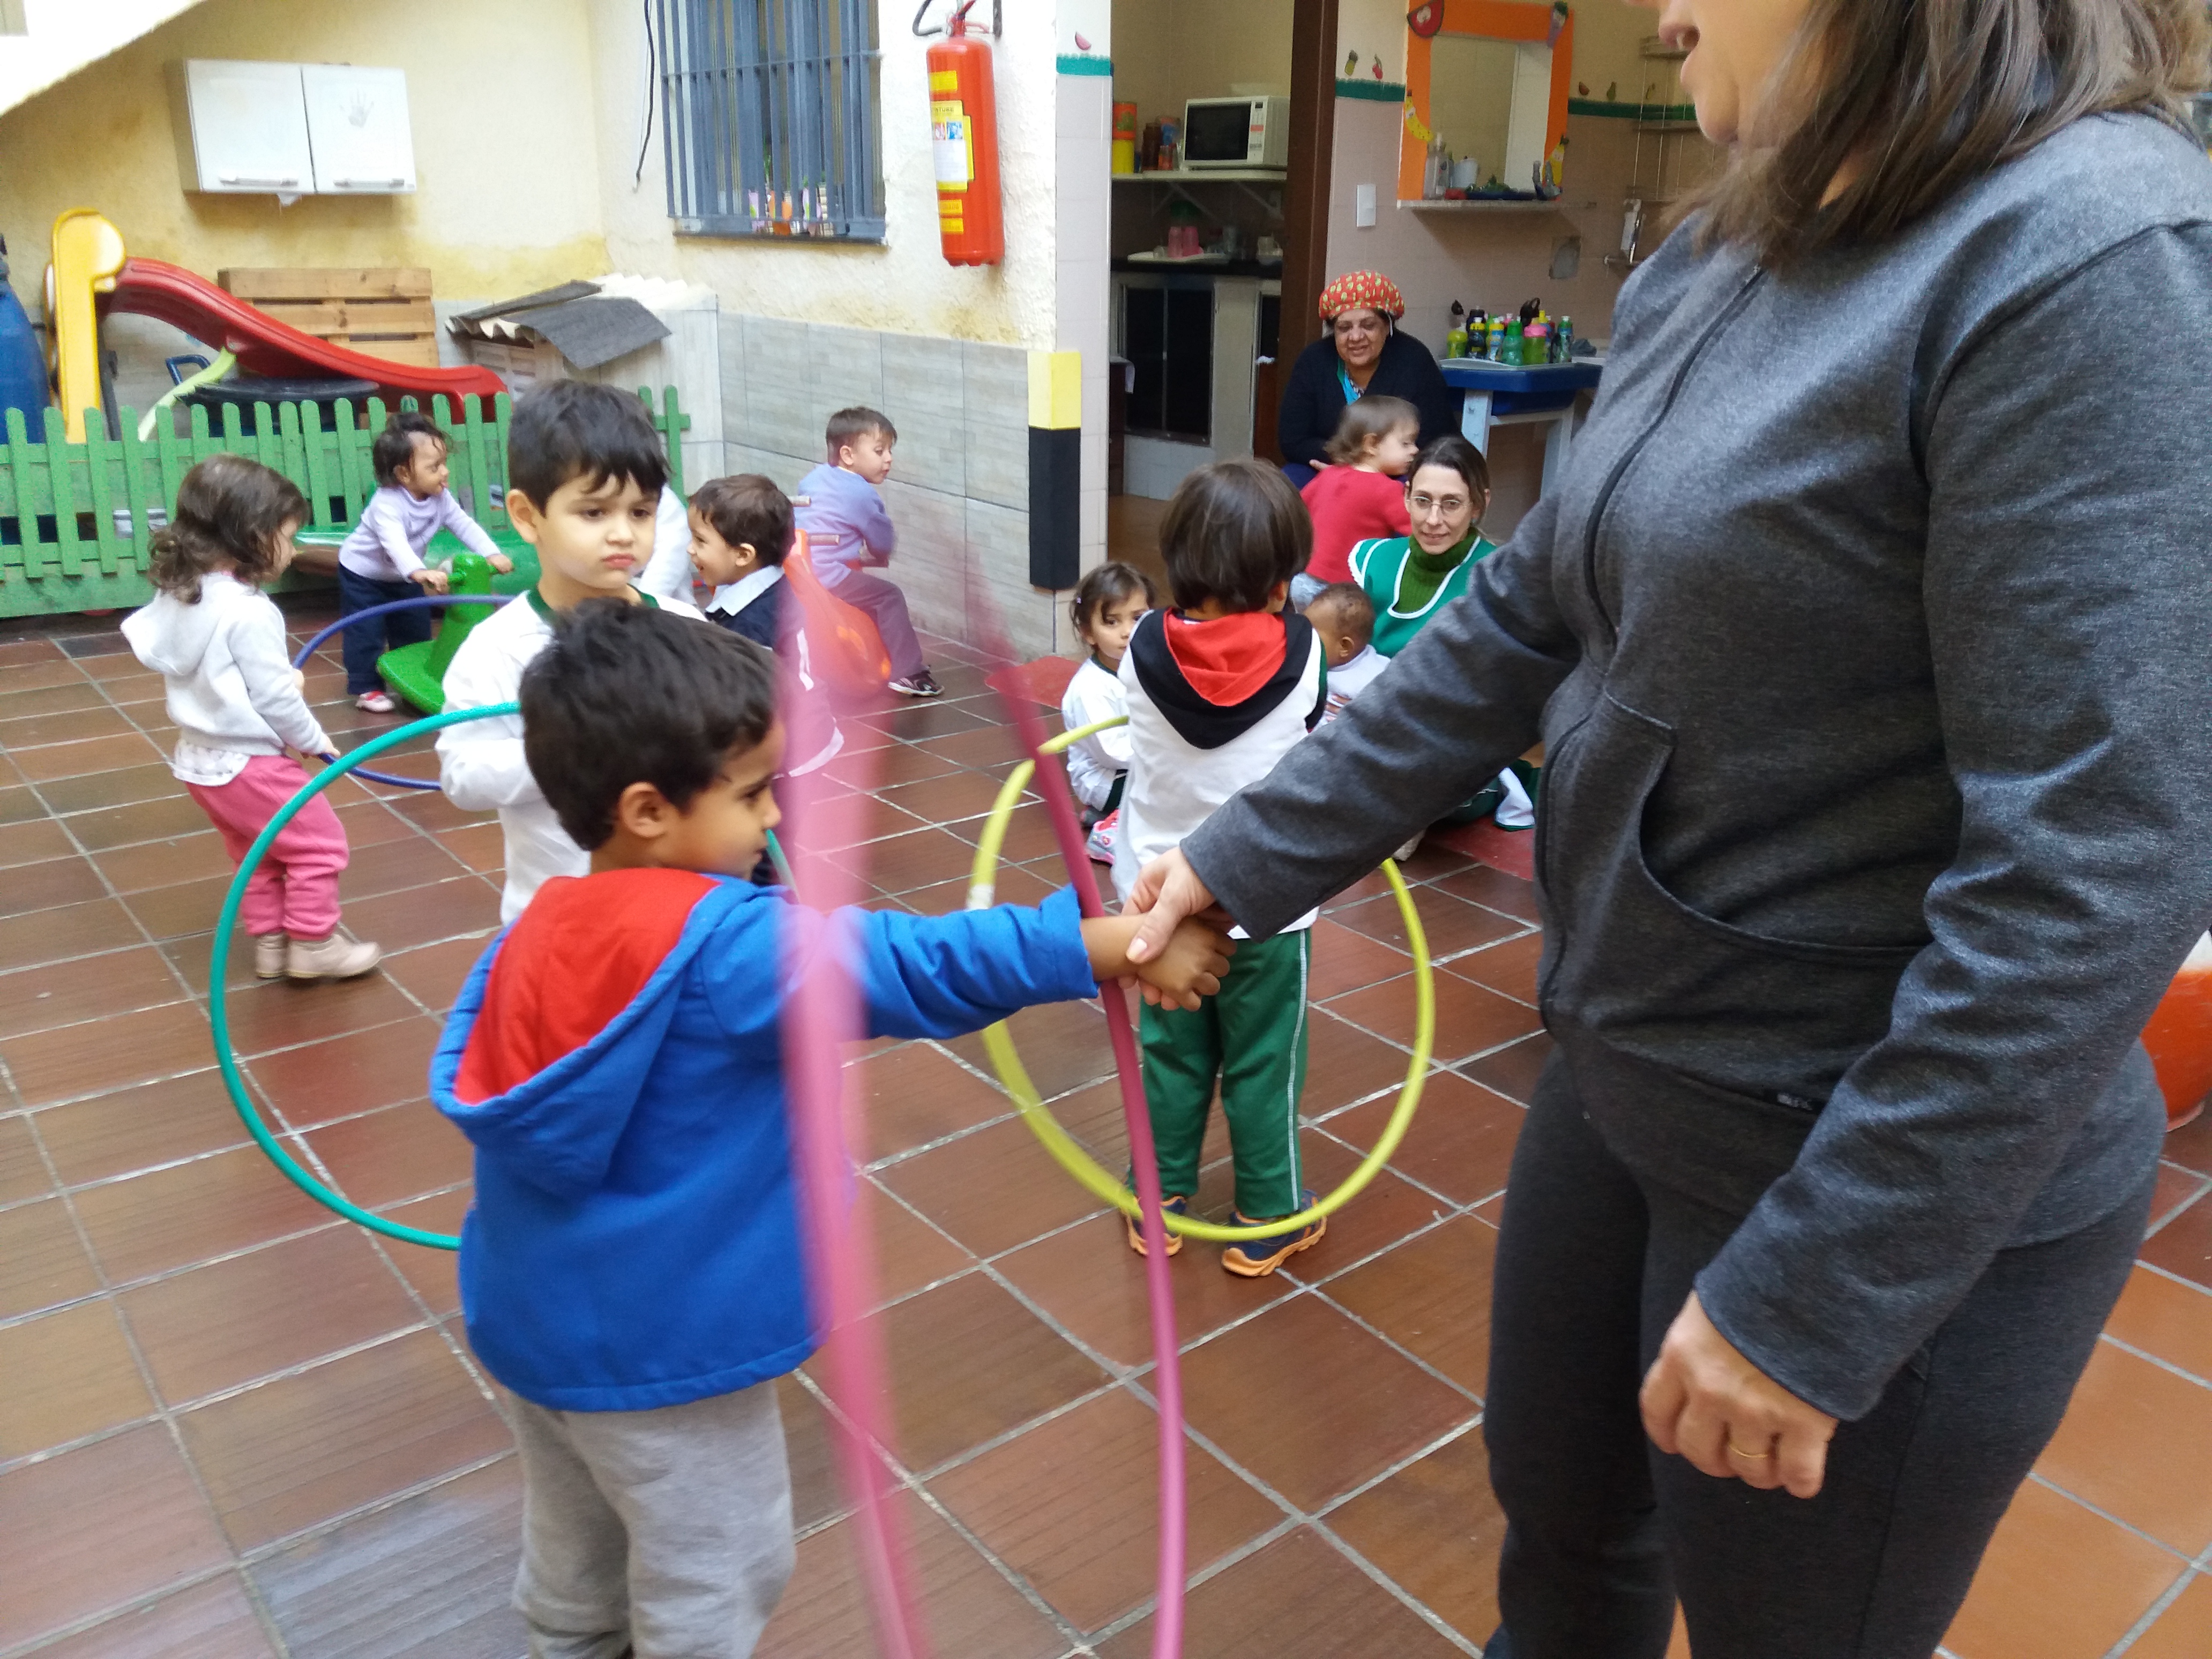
[(773, 126)]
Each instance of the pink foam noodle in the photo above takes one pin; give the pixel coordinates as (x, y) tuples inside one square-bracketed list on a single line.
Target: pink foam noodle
[(1051, 783), (823, 1013)]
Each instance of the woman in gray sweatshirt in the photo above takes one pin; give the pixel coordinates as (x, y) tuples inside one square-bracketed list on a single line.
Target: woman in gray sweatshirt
[(1867, 635)]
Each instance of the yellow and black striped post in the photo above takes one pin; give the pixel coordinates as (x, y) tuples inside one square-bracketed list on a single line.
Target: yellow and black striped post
[(1055, 469)]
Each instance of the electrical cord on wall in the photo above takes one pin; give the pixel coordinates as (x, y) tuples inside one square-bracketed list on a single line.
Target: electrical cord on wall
[(651, 74)]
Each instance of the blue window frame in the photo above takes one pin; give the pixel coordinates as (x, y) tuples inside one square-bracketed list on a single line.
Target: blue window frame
[(772, 125)]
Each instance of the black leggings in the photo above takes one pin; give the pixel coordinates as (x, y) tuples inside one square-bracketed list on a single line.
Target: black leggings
[(1603, 1532)]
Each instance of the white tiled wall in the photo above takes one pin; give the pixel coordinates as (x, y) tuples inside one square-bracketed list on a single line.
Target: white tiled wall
[(959, 491)]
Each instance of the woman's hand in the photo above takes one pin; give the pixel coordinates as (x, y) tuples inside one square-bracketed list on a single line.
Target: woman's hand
[(1703, 1401), (1183, 974), (1168, 889)]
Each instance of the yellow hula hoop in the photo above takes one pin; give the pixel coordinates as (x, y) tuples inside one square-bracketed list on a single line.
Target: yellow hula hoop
[(998, 1042)]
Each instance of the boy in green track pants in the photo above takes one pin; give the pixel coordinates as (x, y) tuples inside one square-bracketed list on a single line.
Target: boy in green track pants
[(1219, 689)]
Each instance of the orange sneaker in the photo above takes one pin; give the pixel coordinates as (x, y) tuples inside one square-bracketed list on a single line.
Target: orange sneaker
[(1173, 1204), (1255, 1258)]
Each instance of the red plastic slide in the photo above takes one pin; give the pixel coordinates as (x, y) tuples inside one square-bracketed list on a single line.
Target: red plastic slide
[(150, 288)]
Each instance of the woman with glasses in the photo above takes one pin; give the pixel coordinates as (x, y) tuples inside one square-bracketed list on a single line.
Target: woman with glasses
[(1866, 636), (1363, 353), (1409, 579)]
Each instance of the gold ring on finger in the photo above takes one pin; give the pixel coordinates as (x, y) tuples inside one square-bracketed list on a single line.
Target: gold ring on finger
[(1735, 1450)]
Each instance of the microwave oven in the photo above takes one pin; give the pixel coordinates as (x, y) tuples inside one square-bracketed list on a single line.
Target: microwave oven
[(1237, 132)]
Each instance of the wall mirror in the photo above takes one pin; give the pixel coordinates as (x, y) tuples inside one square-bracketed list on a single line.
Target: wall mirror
[(1492, 84)]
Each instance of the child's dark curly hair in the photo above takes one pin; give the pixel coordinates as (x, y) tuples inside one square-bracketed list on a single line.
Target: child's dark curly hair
[(395, 446), (1111, 583), (230, 512)]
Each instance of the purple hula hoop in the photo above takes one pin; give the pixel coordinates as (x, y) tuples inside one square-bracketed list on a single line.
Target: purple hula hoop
[(432, 601)]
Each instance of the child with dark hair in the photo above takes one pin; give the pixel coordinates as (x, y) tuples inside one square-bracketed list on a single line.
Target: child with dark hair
[(1108, 604), (1220, 687), (583, 474), (1344, 616), (1361, 493), (218, 643), (741, 531), (630, 1268), (849, 532), (382, 560)]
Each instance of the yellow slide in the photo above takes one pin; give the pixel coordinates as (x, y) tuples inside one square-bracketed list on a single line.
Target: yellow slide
[(87, 253)]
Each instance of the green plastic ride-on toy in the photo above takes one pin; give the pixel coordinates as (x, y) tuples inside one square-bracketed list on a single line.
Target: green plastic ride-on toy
[(417, 672)]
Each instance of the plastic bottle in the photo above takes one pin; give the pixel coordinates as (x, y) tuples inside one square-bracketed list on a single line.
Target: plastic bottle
[(1563, 342), (1536, 344), (22, 365), (1455, 341), (1494, 341), (1515, 342)]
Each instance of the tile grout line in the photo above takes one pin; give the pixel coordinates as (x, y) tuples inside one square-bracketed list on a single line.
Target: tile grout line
[(168, 1416), (2149, 1358), (2104, 1514), (2189, 1574), (167, 1413)]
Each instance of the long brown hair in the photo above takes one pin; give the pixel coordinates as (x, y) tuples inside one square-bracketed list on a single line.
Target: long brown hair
[(1926, 95), (230, 512)]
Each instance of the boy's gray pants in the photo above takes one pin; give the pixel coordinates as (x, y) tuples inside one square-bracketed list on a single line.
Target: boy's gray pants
[(665, 1534)]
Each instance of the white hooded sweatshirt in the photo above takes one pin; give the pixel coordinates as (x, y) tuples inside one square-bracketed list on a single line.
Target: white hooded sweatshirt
[(232, 694)]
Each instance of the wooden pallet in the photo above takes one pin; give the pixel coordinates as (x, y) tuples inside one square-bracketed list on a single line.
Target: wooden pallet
[(384, 311)]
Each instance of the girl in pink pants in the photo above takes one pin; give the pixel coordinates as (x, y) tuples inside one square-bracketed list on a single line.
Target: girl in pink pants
[(218, 642)]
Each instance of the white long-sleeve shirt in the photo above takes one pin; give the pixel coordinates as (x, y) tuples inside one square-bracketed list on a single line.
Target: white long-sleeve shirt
[(667, 574), (231, 692), (481, 765), (386, 545), (1094, 762)]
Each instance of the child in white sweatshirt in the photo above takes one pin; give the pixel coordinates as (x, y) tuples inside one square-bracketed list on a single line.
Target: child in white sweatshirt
[(1107, 607), (583, 474), (218, 642), (382, 560)]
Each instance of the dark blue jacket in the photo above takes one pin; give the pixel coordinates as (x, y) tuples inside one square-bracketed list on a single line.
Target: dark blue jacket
[(634, 1242)]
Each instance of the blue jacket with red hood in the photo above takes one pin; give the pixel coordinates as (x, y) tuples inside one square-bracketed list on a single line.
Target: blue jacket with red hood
[(617, 1060)]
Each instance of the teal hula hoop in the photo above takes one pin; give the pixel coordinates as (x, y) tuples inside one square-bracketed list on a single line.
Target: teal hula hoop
[(225, 925)]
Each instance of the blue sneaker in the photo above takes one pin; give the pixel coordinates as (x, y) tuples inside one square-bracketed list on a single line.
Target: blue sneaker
[(1100, 845), (1173, 1204), (1255, 1258)]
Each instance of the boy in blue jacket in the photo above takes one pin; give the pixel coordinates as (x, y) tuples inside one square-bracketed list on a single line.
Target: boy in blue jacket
[(630, 1268), (848, 532)]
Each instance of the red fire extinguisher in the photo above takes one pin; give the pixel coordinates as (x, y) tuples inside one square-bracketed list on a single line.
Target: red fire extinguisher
[(963, 126)]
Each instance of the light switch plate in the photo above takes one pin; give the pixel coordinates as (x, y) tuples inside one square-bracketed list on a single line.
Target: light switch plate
[(1363, 206)]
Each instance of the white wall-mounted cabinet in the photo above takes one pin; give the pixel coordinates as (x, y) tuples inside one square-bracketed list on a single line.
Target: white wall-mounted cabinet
[(357, 127), (245, 129), (293, 129)]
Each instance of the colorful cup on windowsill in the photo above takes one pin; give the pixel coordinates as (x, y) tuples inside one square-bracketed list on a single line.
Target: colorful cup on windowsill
[(2179, 1038)]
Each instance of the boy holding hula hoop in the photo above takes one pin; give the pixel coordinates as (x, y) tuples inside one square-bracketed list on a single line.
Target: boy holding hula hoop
[(630, 1268)]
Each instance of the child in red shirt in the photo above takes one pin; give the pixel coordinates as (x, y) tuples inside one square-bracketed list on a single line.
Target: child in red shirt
[(1361, 495)]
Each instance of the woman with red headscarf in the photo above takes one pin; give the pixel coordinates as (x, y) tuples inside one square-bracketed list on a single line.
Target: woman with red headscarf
[(1361, 353)]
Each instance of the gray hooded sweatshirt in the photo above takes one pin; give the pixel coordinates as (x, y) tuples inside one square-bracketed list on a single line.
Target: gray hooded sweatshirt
[(1871, 637)]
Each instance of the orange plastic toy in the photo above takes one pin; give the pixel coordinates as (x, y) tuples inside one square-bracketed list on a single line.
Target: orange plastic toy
[(2179, 1038), (852, 657)]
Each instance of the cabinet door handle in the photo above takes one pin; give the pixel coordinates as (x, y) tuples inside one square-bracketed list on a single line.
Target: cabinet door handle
[(271, 183), (362, 184)]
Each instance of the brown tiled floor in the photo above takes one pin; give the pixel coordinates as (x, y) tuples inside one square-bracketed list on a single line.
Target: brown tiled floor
[(232, 1428)]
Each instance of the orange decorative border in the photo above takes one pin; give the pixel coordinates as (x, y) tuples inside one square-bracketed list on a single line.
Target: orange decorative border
[(1496, 20)]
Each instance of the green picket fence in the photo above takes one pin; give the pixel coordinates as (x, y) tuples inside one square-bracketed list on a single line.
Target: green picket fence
[(76, 519)]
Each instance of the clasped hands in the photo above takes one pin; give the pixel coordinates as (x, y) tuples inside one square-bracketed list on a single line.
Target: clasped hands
[(1702, 1400)]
